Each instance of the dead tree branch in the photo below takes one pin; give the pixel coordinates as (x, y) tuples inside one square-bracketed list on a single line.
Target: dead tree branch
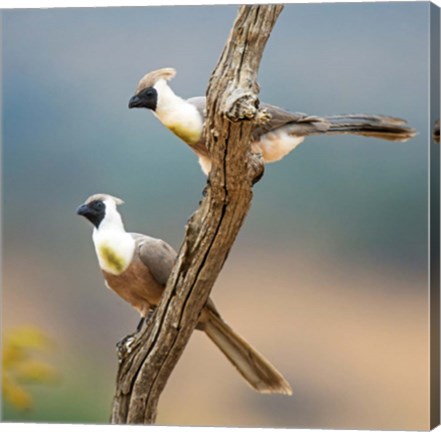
[(232, 108)]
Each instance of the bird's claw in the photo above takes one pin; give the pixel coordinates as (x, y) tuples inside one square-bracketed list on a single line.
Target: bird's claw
[(241, 105), (124, 346), (263, 117), (205, 190), (150, 314)]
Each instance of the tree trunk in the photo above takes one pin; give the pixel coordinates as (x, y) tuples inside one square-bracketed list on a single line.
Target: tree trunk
[(232, 111)]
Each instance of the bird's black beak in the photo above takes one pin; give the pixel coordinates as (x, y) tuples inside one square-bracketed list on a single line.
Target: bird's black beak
[(83, 210), (135, 102)]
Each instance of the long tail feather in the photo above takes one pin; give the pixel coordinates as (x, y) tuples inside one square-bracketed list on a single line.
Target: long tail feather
[(376, 126), (257, 371)]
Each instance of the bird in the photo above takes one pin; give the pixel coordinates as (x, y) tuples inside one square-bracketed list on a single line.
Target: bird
[(137, 267), (436, 132), (273, 140)]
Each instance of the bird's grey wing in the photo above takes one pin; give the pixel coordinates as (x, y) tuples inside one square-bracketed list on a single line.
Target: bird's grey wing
[(280, 118), (199, 102), (157, 255)]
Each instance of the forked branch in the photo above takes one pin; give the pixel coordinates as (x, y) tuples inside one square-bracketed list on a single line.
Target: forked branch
[(232, 109)]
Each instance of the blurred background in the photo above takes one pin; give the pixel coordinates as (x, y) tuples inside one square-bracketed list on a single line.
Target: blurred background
[(328, 277)]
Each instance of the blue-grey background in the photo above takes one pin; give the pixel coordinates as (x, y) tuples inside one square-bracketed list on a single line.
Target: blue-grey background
[(328, 277)]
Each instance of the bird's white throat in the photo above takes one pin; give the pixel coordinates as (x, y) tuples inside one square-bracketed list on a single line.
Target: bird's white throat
[(113, 245), (178, 115), (114, 250)]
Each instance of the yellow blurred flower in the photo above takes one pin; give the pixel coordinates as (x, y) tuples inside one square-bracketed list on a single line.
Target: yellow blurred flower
[(21, 367)]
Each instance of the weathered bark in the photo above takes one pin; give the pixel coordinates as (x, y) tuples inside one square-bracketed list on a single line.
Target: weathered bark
[(232, 108)]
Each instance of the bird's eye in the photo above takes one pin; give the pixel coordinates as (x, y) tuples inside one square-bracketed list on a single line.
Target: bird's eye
[(149, 92), (99, 205)]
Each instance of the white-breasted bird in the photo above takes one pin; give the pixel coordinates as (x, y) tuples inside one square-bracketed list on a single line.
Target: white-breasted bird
[(273, 140), (137, 268)]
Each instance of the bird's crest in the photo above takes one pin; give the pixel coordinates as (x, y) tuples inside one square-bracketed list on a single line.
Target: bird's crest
[(150, 79), (103, 197)]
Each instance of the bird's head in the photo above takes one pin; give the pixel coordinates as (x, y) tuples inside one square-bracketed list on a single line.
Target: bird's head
[(100, 210), (149, 87)]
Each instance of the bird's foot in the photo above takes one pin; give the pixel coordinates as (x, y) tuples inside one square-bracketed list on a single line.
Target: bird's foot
[(241, 105), (150, 314), (207, 186), (263, 117), (124, 346)]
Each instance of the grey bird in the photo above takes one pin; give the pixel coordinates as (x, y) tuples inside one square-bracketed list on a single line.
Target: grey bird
[(274, 140), (137, 268)]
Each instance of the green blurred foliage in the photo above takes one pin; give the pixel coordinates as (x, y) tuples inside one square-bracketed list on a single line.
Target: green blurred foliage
[(22, 366)]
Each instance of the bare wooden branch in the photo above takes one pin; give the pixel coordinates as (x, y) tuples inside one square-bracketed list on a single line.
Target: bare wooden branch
[(232, 108)]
